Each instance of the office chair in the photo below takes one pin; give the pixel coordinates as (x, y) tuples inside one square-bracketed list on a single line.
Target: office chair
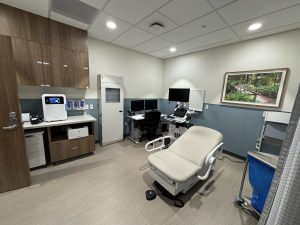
[(150, 123)]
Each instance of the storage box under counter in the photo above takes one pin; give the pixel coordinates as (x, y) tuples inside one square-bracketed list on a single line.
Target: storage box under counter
[(58, 142)]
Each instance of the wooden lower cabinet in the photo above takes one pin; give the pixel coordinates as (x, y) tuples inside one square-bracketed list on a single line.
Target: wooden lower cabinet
[(66, 149)]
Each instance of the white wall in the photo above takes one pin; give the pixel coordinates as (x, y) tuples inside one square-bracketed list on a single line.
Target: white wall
[(142, 74), (205, 70)]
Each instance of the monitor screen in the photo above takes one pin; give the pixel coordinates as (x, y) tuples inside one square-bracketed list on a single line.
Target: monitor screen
[(180, 112), (150, 104), (179, 94), (137, 105), (54, 100)]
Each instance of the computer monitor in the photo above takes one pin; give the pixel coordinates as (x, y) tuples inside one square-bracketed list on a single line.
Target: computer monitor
[(150, 104), (137, 105), (180, 112), (179, 94)]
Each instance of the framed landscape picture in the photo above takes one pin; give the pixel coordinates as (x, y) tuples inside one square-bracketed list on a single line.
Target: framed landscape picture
[(257, 88)]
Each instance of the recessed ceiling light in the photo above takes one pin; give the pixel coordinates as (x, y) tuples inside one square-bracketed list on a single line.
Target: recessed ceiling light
[(173, 49), (111, 25), (254, 26)]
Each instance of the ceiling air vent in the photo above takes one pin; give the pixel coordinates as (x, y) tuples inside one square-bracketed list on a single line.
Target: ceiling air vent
[(157, 28), (75, 9)]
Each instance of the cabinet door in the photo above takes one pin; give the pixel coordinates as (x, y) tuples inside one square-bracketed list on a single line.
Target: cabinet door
[(55, 66), (14, 22), (39, 28), (28, 62), (79, 69), (66, 36)]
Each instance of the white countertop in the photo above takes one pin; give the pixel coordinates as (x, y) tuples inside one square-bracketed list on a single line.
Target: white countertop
[(69, 120)]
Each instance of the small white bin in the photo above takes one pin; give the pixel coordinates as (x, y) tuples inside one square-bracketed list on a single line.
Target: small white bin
[(35, 149)]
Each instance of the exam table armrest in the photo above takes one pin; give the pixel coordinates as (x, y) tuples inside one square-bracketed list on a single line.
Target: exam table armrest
[(162, 146), (210, 160)]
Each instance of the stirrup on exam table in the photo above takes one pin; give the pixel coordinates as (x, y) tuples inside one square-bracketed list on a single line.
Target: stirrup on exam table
[(189, 159)]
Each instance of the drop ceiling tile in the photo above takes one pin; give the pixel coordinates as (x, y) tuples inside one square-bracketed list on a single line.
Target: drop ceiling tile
[(154, 18), (208, 39), (99, 30), (212, 22), (271, 21), (243, 10), (133, 11), (220, 3), (162, 53), (98, 4), (40, 7), (272, 31), (132, 37), (215, 45), (68, 20), (152, 45), (194, 50), (182, 12)]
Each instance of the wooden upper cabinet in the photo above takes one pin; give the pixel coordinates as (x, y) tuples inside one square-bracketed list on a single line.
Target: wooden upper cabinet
[(55, 65), (28, 62), (14, 22), (69, 37), (24, 25), (79, 70), (39, 28)]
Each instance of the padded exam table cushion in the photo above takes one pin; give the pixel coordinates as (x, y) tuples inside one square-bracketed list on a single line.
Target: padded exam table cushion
[(186, 156)]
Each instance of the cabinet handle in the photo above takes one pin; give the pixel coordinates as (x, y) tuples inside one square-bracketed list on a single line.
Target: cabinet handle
[(46, 63), (42, 85), (75, 148), (29, 136), (39, 62), (86, 68), (65, 66), (47, 85)]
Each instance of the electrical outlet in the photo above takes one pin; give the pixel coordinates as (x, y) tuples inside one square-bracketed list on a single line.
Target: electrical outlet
[(86, 106), (206, 106), (91, 106)]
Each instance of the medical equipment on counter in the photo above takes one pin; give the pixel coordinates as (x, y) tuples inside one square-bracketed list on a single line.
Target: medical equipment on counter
[(54, 107), (189, 159)]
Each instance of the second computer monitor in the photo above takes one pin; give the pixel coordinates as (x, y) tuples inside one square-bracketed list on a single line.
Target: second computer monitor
[(150, 104), (137, 105)]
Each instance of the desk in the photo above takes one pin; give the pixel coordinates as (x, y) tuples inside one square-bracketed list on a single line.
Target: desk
[(135, 132), (60, 147)]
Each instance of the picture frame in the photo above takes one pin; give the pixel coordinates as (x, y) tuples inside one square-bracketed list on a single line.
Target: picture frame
[(262, 88)]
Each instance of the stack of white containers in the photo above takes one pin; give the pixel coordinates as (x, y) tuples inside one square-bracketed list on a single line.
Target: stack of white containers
[(78, 133)]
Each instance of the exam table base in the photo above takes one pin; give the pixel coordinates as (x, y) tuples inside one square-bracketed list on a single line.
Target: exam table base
[(171, 186)]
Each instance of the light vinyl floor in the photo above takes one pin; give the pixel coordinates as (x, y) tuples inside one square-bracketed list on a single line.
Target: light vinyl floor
[(109, 188)]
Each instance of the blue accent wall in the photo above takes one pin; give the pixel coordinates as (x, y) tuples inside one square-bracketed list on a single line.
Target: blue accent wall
[(241, 127)]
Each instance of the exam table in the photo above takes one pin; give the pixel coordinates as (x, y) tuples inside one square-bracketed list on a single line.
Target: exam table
[(186, 160)]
